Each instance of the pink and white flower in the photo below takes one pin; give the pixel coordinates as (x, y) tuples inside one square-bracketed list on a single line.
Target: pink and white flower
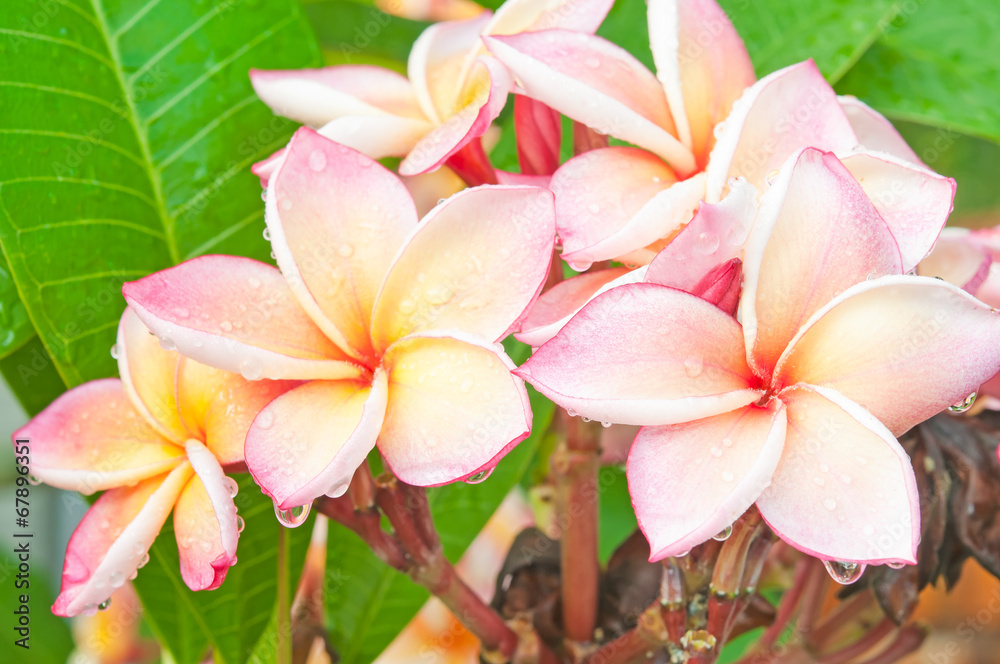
[(154, 442), (452, 94), (797, 409), (393, 323)]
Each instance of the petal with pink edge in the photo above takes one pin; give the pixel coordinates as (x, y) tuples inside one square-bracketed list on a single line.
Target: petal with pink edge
[(148, 373), (785, 111), (959, 259), (454, 409), (493, 247), (905, 348), (702, 63), (265, 168), (205, 523), (113, 538), (516, 16), (439, 61), (816, 233), (316, 96), (218, 407), (691, 481), (599, 191), (91, 438), (477, 105), (239, 315), (566, 301), (596, 83), (722, 286), (874, 131), (309, 441), (377, 136), (914, 202), (844, 489), (645, 354), (714, 236), (336, 220)]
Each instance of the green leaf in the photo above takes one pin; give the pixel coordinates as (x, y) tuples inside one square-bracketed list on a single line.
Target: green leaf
[(32, 376), (128, 128), (50, 640), (935, 64), (354, 32), (15, 328), (615, 516), (367, 602), (233, 618)]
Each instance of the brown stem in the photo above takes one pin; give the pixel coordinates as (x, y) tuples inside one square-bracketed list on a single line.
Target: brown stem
[(845, 612), (673, 598), (575, 466), (367, 526), (908, 641), (472, 165), (788, 605), (862, 645), (362, 488), (650, 634), (397, 501)]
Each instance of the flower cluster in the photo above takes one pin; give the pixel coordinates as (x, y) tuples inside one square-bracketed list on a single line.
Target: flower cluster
[(753, 295)]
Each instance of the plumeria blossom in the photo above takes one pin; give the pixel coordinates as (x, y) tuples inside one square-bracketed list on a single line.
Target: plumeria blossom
[(797, 408), (154, 442), (392, 323), (452, 94), (696, 124)]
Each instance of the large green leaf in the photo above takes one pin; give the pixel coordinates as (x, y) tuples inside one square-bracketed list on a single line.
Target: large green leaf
[(355, 32), (50, 641), (936, 64), (128, 128), (32, 376), (15, 328), (369, 603), (232, 619)]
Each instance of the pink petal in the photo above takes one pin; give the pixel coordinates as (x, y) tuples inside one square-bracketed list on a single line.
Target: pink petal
[(875, 132), (377, 136), (439, 62), (785, 111), (539, 135), (844, 489), (722, 286), (477, 105), (816, 234), (596, 83), (115, 534), (905, 348), (915, 202), (148, 373), (91, 438), (702, 63), (563, 300), (205, 523), (336, 220), (493, 247), (218, 407), (600, 191), (265, 168), (521, 180), (428, 189), (959, 259), (645, 354), (454, 409), (309, 441), (691, 481), (516, 16), (716, 235), (316, 96), (239, 315), (561, 303)]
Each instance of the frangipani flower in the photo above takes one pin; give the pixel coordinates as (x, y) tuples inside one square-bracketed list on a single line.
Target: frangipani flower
[(796, 409), (431, 10), (393, 323), (453, 93), (696, 123), (154, 441)]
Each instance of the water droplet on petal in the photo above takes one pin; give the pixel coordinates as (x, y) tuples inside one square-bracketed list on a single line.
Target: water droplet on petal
[(716, 451), (240, 524), (231, 486), (718, 129), (267, 233), (317, 160), (605, 424), (117, 579), (254, 282), (285, 204), (345, 250), (479, 478), (293, 517), (265, 420), (593, 63), (103, 606), (89, 610), (727, 476), (33, 481), (251, 369), (682, 554), (844, 573), (584, 419), (693, 367), (114, 351), (706, 242), (963, 405), (724, 535), (594, 208), (830, 504), (166, 343), (770, 178)]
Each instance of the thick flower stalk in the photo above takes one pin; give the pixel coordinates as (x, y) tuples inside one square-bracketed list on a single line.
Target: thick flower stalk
[(453, 92), (697, 123), (154, 442), (797, 409), (393, 323)]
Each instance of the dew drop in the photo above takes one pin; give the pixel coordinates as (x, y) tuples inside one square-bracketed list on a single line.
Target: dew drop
[(593, 63), (166, 343), (339, 489), (103, 606), (407, 307), (263, 195), (254, 282), (345, 250), (844, 573), (285, 204), (693, 367), (143, 560), (896, 565), (682, 554), (706, 243), (718, 129), (117, 579), (251, 369), (771, 177), (479, 478), (33, 481), (727, 476), (819, 481), (240, 524), (317, 160), (963, 405), (605, 424), (265, 420), (594, 208), (584, 419), (231, 486), (716, 451), (830, 504), (89, 610), (226, 326), (292, 517), (724, 535), (114, 351), (267, 233)]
